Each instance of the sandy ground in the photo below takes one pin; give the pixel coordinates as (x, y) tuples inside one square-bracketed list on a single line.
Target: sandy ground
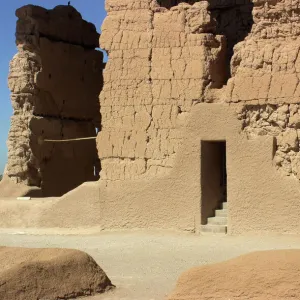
[(146, 265)]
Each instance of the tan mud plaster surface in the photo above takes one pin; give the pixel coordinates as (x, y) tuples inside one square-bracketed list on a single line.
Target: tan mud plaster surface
[(28, 274), (55, 79)]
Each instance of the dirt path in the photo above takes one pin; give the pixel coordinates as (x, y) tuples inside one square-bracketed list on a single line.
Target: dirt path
[(146, 265)]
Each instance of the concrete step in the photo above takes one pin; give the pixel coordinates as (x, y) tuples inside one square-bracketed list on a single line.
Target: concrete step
[(221, 213), (213, 229), (217, 220), (224, 205)]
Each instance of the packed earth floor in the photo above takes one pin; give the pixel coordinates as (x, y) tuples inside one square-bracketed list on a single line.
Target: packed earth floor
[(145, 265)]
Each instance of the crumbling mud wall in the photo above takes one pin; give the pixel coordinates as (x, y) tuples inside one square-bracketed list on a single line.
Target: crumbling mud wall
[(166, 58), (281, 122), (160, 63), (265, 80), (55, 79), (178, 75), (233, 19), (267, 62)]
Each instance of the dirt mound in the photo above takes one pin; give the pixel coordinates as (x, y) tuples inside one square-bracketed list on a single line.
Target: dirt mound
[(259, 275), (27, 274)]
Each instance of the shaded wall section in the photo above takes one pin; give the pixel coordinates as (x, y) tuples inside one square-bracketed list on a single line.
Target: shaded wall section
[(55, 80), (233, 19)]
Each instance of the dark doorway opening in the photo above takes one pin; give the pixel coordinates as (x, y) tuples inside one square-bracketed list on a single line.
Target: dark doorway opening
[(213, 178)]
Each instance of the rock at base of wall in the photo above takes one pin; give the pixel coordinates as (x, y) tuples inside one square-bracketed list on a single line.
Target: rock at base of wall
[(259, 275), (27, 274)]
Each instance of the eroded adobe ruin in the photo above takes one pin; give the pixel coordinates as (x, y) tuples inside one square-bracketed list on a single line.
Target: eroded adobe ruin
[(169, 58), (55, 80), (165, 56), (168, 55), (200, 105), (160, 63)]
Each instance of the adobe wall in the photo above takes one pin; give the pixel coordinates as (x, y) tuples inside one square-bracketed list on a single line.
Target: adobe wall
[(160, 63), (166, 89), (164, 64), (260, 200), (265, 78), (267, 62), (55, 79)]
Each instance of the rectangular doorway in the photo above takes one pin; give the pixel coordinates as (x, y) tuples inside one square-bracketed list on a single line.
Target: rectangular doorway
[(213, 178)]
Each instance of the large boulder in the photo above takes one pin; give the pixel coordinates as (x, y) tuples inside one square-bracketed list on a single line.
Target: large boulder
[(27, 274), (259, 275)]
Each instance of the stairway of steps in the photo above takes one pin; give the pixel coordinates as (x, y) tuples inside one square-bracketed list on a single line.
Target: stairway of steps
[(217, 224)]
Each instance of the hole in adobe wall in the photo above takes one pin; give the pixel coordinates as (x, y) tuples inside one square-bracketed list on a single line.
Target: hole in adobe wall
[(105, 54), (234, 21)]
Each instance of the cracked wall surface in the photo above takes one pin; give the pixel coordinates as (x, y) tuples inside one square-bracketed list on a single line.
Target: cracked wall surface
[(281, 122), (181, 73), (267, 62), (55, 79), (160, 63), (265, 78)]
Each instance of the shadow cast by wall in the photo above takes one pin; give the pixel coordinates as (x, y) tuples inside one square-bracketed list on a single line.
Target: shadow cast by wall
[(234, 21)]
